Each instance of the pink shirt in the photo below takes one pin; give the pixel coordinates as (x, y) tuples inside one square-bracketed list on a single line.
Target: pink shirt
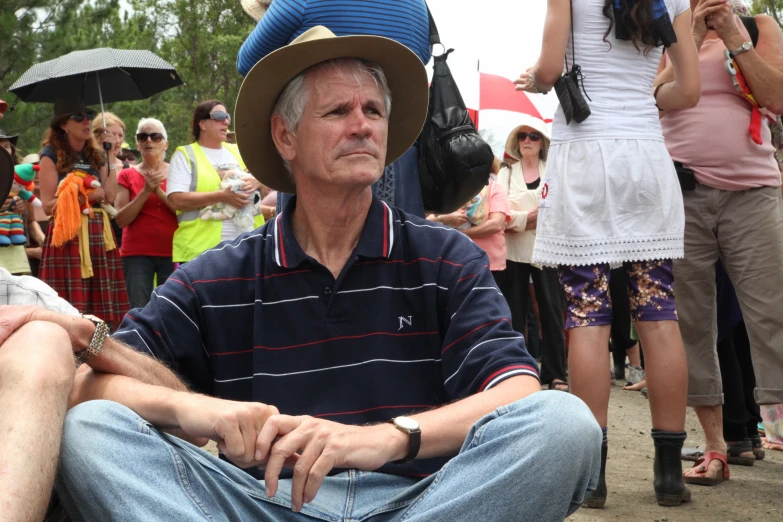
[(713, 139), (495, 245)]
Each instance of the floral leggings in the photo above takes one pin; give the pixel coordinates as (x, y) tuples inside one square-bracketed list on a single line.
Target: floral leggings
[(650, 289)]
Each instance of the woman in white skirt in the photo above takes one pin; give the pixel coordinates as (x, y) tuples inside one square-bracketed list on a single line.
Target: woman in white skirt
[(612, 198)]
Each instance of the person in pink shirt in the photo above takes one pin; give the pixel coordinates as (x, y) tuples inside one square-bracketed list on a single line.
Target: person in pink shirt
[(483, 219), (732, 200)]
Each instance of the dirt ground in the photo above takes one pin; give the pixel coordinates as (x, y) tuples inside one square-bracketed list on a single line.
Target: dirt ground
[(752, 494)]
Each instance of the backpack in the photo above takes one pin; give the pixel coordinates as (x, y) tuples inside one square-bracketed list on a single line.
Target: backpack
[(454, 162), (753, 29)]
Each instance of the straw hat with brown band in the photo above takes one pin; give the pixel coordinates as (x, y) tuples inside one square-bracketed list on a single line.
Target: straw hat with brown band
[(256, 8), (404, 72), (537, 124)]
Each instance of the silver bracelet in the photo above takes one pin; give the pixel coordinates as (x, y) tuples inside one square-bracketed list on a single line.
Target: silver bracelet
[(539, 89)]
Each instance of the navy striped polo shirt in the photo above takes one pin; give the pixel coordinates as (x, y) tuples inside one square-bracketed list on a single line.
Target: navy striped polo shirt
[(413, 321), (405, 21)]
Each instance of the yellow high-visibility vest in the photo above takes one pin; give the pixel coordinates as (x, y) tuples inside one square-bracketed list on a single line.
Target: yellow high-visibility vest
[(194, 235)]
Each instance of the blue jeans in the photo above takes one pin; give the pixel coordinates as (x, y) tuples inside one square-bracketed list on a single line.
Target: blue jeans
[(140, 272), (536, 459)]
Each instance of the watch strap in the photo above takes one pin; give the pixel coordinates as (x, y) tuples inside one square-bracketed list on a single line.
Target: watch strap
[(414, 439), (747, 46), (96, 342)]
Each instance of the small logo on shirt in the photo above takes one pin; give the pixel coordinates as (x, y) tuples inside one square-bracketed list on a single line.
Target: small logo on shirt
[(404, 321)]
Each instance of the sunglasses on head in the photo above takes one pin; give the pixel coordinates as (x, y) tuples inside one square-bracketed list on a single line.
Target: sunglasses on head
[(220, 116), (78, 118), (534, 136), (157, 137)]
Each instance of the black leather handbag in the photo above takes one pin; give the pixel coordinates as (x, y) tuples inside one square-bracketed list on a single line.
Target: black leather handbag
[(567, 87), (454, 161)]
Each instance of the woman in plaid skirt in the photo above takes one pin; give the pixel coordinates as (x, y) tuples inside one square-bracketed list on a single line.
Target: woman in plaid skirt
[(86, 270)]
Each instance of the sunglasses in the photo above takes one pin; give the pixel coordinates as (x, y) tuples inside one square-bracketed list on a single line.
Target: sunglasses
[(78, 118), (534, 136), (157, 137), (220, 116)]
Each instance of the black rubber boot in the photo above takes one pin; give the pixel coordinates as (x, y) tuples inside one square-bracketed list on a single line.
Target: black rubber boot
[(670, 490), (597, 498)]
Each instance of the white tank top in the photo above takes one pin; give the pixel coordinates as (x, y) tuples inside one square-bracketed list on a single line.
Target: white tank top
[(617, 79)]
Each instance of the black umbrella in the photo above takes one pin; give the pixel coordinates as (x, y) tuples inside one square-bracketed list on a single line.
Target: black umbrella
[(97, 76)]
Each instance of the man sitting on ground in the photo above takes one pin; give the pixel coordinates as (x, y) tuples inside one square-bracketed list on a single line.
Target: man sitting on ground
[(355, 362)]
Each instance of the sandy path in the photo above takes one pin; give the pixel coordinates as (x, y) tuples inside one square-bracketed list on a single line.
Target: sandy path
[(752, 494)]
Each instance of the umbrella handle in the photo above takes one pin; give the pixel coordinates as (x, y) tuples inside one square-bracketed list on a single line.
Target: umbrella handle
[(106, 145)]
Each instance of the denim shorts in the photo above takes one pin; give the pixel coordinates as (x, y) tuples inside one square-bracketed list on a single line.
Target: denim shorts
[(650, 289)]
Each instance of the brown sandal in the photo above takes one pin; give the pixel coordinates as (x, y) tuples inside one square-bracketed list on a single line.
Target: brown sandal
[(703, 464)]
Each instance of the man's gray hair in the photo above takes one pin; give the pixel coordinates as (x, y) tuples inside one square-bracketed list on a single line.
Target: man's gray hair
[(156, 123), (291, 103)]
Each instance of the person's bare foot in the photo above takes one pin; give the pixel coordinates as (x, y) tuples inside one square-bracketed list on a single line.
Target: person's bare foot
[(715, 468), (771, 445), (636, 387)]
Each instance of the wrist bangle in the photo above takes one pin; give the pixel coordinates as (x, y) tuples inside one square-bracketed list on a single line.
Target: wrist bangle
[(655, 96), (539, 89)]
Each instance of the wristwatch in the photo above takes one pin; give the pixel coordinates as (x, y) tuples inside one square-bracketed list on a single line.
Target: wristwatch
[(747, 46), (411, 427), (96, 343)]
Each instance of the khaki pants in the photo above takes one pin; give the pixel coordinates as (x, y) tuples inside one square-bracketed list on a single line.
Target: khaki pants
[(745, 230)]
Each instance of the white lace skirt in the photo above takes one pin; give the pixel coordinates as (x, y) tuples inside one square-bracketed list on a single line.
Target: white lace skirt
[(609, 201)]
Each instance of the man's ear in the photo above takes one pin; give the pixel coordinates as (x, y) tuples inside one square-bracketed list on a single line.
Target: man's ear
[(285, 142)]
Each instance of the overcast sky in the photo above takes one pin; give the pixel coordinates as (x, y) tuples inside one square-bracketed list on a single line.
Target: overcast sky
[(502, 37), (504, 34)]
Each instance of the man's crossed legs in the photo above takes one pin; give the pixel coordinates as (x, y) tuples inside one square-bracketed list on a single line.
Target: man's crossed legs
[(536, 459)]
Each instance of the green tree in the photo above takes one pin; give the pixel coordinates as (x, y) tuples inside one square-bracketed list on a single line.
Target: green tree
[(773, 8), (200, 38)]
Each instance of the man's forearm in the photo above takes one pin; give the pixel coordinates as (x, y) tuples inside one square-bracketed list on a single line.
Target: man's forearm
[(765, 82), (443, 430), (155, 404), (151, 402), (118, 359)]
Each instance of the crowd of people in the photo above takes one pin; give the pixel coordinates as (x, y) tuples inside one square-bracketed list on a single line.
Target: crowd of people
[(282, 290)]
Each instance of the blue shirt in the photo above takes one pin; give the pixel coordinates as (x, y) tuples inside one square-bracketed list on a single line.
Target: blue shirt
[(405, 21), (413, 321)]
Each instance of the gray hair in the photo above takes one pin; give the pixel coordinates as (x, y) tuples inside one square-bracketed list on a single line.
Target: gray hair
[(291, 102), (152, 121)]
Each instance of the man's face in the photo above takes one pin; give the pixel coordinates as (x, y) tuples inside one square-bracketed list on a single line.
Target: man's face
[(341, 139)]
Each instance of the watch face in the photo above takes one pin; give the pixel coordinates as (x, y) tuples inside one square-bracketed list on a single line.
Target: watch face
[(406, 423)]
